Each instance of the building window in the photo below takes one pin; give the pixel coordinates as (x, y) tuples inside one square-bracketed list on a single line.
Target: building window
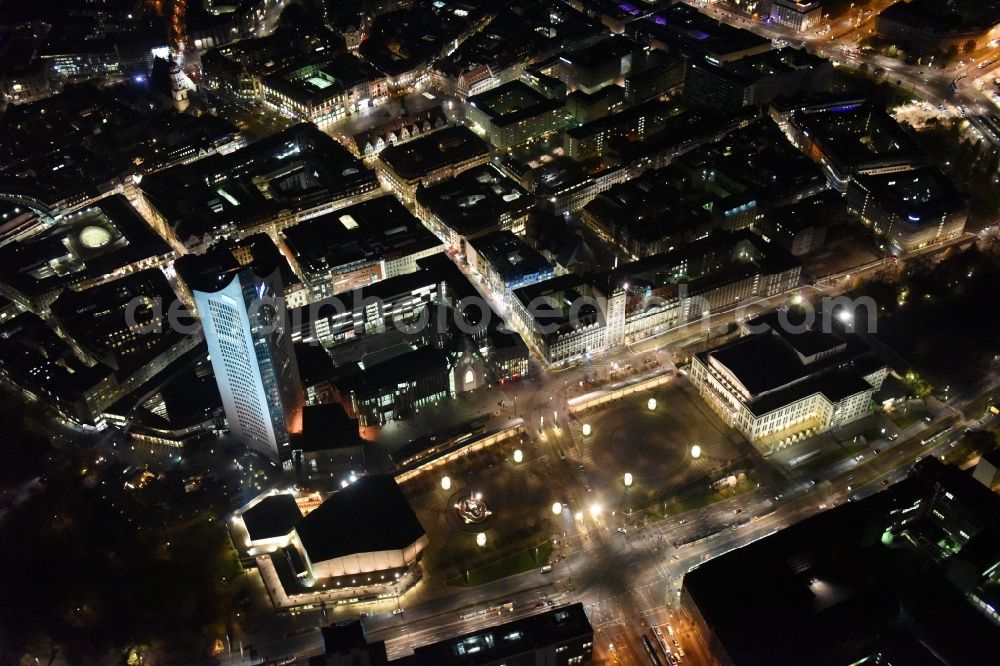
[(470, 376)]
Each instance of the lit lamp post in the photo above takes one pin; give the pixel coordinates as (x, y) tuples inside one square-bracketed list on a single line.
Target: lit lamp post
[(557, 508), (651, 404), (481, 539), (586, 430), (518, 455), (627, 480), (695, 451), (445, 483)]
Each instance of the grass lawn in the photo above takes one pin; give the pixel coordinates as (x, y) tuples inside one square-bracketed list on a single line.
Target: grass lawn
[(514, 564), (871, 434), (701, 500), (908, 418)]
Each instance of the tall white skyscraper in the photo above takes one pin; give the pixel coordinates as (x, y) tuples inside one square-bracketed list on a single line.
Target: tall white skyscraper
[(253, 359)]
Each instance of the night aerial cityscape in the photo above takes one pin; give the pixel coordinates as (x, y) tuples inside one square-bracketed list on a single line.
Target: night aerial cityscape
[(499, 332)]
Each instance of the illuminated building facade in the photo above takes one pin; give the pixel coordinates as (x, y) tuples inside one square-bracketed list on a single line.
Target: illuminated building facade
[(252, 356)]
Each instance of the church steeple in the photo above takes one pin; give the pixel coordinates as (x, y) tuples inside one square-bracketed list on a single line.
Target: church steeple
[(178, 86)]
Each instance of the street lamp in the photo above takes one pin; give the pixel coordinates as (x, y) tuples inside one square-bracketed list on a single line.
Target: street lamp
[(518, 455), (628, 479), (696, 451), (651, 404), (481, 539), (445, 483), (586, 430), (595, 510), (557, 508)]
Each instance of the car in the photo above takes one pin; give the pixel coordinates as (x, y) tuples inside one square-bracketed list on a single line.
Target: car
[(739, 510), (876, 451), (398, 611), (622, 530), (546, 569), (928, 418), (885, 482), (892, 437)]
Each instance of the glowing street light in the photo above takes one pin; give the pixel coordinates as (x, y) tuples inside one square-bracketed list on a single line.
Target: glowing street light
[(628, 479), (445, 483), (845, 316), (481, 539), (595, 510), (651, 404), (696, 451), (557, 508), (586, 430), (518, 455)]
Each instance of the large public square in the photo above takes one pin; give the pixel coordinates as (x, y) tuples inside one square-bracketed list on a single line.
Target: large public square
[(627, 462)]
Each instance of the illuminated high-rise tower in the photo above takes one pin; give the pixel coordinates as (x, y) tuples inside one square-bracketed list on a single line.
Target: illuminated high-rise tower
[(251, 350)]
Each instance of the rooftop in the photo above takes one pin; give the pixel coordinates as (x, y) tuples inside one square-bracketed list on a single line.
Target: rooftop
[(686, 29), (703, 258), (778, 364), (823, 208), (857, 136), (843, 586), (375, 379), (513, 102), (419, 157), (403, 40), (35, 358), (189, 396), (273, 517), (510, 256), (550, 302), (516, 35), (945, 16), (216, 267), (379, 516), (510, 639), (770, 63), (476, 199), (92, 242), (106, 125), (296, 169), (366, 232), (318, 79), (105, 320), (919, 194), (325, 427)]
